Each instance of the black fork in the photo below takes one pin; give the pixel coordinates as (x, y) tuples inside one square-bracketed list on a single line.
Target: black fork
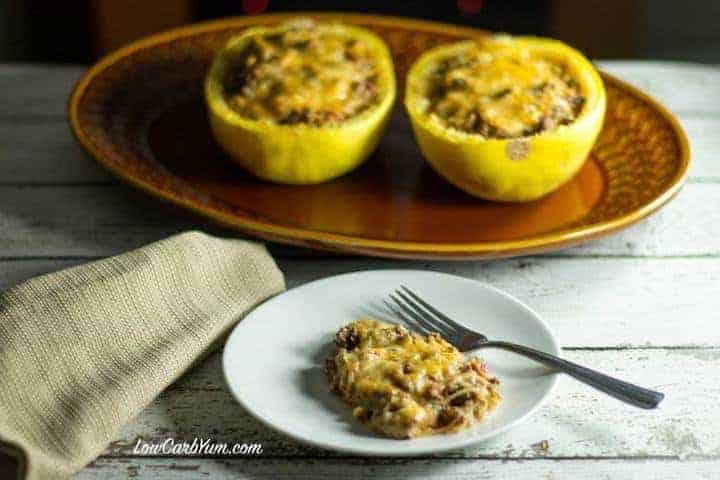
[(423, 317)]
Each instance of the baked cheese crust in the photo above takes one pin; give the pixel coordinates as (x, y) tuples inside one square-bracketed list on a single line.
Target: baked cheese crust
[(405, 385), (503, 93), (303, 75)]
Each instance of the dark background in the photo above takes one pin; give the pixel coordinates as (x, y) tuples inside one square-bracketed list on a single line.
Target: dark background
[(81, 31)]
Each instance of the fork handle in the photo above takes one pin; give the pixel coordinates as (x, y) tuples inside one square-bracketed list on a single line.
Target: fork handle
[(624, 391)]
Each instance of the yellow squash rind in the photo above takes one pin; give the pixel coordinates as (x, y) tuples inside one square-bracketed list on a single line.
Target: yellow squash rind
[(299, 154), (510, 170)]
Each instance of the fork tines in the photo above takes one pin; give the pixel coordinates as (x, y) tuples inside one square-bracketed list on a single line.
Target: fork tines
[(420, 315)]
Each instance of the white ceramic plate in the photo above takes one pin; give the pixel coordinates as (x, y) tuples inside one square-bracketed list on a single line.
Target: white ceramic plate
[(273, 360)]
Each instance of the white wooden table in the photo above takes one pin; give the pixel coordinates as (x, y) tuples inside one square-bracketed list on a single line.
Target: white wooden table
[(643, 304)]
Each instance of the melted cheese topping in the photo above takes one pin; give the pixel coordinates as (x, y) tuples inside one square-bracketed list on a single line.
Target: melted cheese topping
[(404, 385), (503, 93), (303, 75)]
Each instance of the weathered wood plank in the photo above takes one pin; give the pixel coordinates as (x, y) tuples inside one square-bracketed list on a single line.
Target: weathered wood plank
[(37, 90), (686, 226), (43, 151), (300, 469), (704, 146), (596, 302), (81, 221), (593, 302), (576, 422), (687, 89), (38, 146), (101, 220)]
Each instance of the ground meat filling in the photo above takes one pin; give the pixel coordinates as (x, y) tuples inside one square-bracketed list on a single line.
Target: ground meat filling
[(303, 76), (405, 385), (503, 93)]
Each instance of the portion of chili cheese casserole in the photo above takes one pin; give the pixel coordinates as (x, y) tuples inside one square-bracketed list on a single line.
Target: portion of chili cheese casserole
[(405, 385)]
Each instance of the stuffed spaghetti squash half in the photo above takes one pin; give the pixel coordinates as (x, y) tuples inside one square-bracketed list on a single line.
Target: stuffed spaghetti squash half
[(505, 118), (303, 102)]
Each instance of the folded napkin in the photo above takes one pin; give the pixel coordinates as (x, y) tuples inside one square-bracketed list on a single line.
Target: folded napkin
[(83, 350)]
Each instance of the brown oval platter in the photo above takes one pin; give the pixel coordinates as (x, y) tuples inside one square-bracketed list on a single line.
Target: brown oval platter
[(140, 113)]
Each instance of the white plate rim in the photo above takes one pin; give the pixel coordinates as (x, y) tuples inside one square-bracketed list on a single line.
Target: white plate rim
[(366, 452)]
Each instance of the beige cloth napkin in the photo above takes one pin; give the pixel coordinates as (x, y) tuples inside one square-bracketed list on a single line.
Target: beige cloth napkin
[(83, 350)]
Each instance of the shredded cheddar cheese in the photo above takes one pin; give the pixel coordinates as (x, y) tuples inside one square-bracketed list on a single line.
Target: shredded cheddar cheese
[(303, 75), (503, 93)]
